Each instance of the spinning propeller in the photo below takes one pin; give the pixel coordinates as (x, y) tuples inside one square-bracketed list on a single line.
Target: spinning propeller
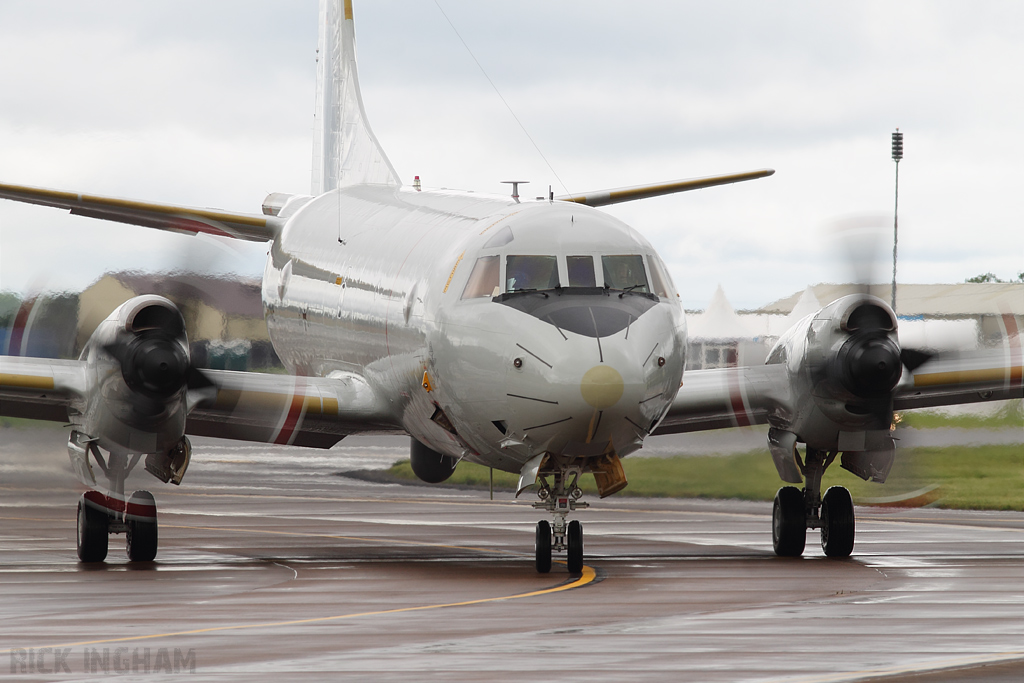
[(871, 362)]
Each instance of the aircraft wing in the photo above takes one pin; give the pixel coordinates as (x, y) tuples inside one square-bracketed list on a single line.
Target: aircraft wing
[(742, 396), (183, 219), (628, 194), (283, 409), (725, 397), (40, 388), (962, 377)]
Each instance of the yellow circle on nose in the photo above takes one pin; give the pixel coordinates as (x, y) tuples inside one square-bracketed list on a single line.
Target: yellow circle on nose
[(601, 386)]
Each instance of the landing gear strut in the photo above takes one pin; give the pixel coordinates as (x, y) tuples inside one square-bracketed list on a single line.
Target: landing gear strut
[(560, 500), (795, 511)]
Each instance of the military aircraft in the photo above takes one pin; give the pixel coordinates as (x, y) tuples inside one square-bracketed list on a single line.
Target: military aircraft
[(542, 337)]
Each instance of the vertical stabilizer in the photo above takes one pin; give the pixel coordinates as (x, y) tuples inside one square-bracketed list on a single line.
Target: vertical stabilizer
[(345, 151)]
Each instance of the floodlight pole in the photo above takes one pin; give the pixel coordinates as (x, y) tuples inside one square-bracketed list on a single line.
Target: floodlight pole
[(897, 154)]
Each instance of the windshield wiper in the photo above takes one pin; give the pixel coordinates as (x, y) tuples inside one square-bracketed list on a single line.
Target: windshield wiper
[(629, 289), (528, 290)]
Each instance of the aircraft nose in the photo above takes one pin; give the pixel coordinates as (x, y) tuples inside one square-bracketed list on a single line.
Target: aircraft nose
[(602, 386), (584, 396)]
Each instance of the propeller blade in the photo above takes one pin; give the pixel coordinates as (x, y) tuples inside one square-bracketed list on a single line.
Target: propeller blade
[(197, 379), (915, 358), (117, 348), (861, 240)]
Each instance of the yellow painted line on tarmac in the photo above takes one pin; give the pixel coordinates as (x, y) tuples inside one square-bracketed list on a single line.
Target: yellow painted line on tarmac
[(587, 577)]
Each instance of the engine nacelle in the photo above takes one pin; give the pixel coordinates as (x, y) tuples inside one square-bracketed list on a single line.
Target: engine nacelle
[(843, 364), (138, 375)]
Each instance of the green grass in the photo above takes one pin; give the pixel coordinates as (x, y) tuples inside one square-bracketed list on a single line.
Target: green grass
[(1010, 414), (977, 477), (25, 423)]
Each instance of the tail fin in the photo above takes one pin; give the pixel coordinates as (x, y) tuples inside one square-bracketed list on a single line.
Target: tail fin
[(345, 150)]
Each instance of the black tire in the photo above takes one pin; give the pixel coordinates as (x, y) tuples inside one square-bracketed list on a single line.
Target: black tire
[(92, 532), (542, 547), (838, 526), (141, 542), (574, 537), (789, 522)]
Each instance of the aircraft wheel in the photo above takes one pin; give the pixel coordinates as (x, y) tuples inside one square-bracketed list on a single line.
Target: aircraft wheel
[(141, 532), (92, 532), (575, 542), (542, 547), (789, 522), (837, 522)]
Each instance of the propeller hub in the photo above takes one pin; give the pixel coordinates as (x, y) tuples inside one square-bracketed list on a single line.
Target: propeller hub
[(870, 366), (155, 365)]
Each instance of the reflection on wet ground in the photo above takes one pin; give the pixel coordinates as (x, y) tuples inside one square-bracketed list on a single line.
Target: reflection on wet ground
[(270, 567)]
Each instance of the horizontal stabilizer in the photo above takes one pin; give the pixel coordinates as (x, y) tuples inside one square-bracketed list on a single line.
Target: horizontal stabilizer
[(251, 227), (628, 194)]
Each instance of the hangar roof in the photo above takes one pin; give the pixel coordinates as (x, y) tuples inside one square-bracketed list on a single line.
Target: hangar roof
[(952, 301)]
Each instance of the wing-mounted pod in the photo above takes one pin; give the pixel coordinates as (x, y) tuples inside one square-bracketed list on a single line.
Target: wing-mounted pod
[(140, 387), (843, 364)]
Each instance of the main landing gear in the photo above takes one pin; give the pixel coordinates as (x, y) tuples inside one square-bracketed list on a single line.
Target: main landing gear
[(102, 512), (560, 500), (795, 511)]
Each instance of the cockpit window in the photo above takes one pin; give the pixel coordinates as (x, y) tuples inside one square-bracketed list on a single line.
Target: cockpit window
[(531, 272), (625, 272), (581, 271), (485, 278), (660, 280)]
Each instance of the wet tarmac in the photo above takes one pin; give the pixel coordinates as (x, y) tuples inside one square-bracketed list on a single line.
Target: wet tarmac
[(271, 567)]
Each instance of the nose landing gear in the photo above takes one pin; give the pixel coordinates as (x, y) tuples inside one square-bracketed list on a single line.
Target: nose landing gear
[(559, 501)]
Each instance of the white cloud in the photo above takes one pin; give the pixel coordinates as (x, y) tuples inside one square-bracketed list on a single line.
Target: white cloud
[(210, 104)]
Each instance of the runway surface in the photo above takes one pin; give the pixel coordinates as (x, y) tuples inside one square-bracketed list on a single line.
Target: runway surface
[(272, 567)]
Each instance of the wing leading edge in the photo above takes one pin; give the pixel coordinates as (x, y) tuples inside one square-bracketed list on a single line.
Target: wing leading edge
[(628, 194), (182, 219)]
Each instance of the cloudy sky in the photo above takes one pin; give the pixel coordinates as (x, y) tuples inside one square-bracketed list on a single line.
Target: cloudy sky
[(210, 104)]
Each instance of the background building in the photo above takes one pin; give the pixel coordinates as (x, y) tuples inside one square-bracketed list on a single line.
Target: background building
[(968, 315), (223, 318)]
